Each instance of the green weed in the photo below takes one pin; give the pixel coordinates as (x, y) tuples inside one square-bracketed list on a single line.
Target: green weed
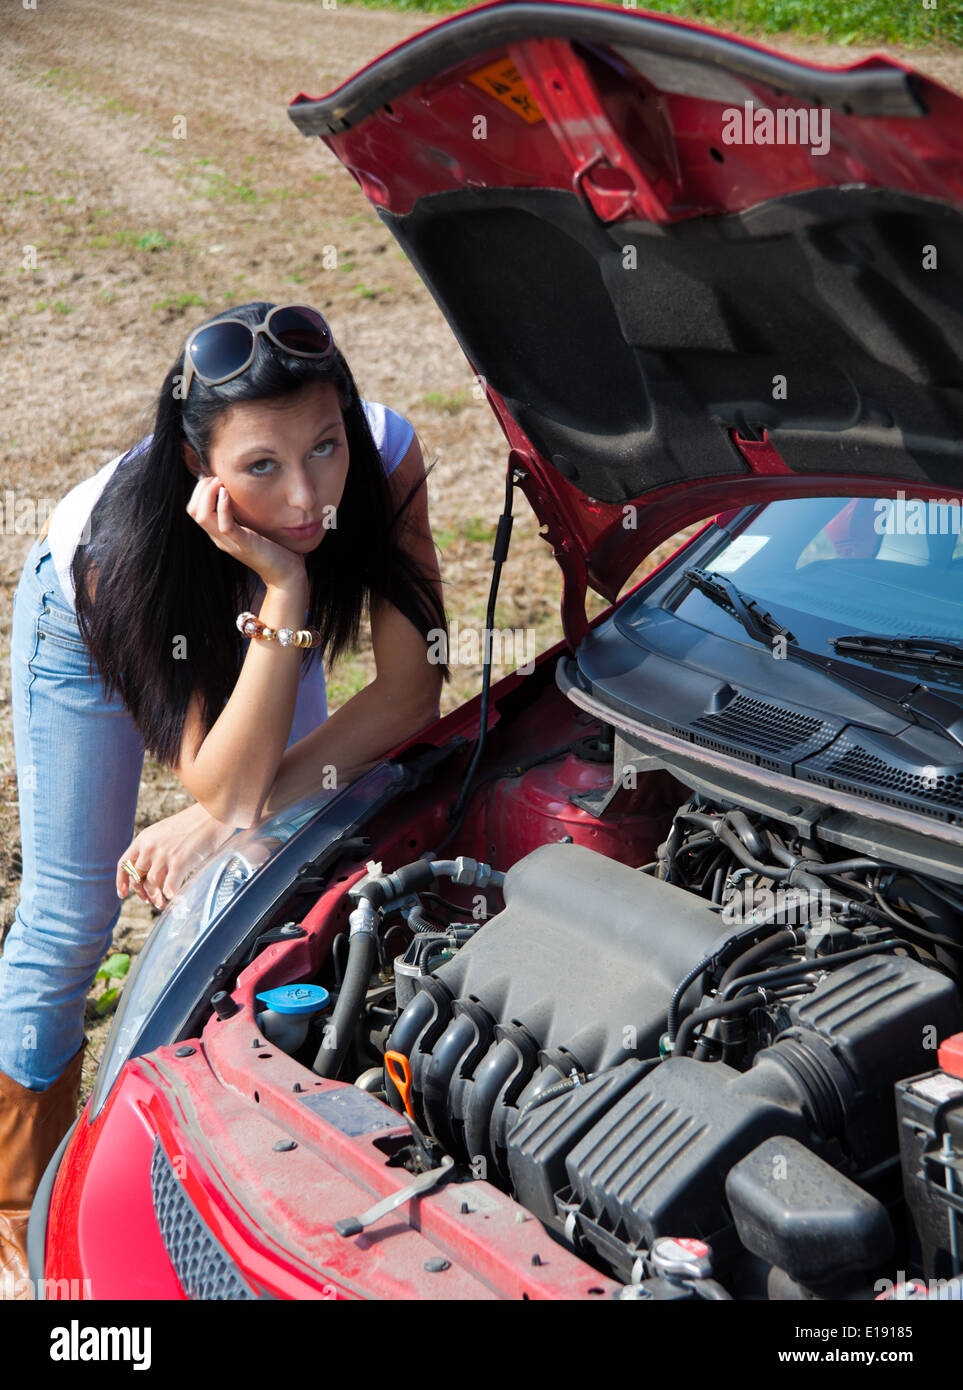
[(152, 241), (838, 21), (476, 530), (115, 104), (185, 300), (220, 186), (115, 967), (451, 405)]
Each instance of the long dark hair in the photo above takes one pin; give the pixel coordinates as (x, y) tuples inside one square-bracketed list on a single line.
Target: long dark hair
[(162, 589)]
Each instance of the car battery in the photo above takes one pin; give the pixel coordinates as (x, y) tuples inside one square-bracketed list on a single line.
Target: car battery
[(930, 1116)]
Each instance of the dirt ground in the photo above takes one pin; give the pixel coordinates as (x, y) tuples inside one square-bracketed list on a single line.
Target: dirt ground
[(140, 234)]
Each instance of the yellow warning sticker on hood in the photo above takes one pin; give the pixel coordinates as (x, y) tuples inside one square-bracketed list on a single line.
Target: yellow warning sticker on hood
[(502, 81)]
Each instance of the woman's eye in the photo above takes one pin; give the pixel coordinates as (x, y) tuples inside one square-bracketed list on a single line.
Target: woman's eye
[(264, 467)]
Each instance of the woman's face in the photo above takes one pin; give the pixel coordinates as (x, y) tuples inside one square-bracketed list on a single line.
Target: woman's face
[(284, 464)]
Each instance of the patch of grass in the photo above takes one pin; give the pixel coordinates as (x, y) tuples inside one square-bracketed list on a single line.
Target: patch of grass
[(284, 195), (108, 296), (115, 104), (451, 405), (59, 307), (364, 291), (59, 77), (476, 530), (152, 241), (184, 300), (126, 236), (220, 186), (103, 240), (838, 21), (347, 678)]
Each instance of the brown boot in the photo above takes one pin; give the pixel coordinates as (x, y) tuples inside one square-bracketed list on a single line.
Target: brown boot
[(32, 1124)]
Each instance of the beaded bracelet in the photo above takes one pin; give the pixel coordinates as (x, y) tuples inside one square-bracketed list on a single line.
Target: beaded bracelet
[(251, 626)]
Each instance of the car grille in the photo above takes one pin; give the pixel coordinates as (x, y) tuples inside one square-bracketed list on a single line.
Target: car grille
[(202, 1268)]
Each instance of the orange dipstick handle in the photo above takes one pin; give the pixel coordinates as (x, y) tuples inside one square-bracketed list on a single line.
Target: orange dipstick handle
[(399, 1070)]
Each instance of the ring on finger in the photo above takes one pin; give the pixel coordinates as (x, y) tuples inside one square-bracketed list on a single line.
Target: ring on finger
[(126, 864)]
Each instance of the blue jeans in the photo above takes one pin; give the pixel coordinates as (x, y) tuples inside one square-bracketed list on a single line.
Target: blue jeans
[(79, 760)]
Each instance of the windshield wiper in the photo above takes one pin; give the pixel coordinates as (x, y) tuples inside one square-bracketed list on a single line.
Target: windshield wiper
[(758, 623), (911, 700), (931, 651)]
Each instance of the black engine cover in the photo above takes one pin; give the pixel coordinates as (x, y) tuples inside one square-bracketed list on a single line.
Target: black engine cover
[(578, 970), (634, 1154)]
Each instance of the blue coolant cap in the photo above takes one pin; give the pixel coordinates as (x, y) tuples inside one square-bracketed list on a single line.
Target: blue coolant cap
[(295, 999)]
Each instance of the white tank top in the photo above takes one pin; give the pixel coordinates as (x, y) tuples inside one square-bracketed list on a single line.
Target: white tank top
[(392, 434)]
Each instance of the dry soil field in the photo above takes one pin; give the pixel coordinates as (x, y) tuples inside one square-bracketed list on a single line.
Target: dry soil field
[(140, 234)]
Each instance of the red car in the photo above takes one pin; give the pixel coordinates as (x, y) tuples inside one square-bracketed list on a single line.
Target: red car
[(639, 975)]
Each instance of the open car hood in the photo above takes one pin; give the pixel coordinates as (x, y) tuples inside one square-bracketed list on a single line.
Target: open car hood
[(692, 274)]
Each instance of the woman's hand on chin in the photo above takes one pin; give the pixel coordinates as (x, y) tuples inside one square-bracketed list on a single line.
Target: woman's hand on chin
[(167, 853), (210, 506)]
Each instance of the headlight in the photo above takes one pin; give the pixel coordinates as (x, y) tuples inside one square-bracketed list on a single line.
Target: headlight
[(218, 908)]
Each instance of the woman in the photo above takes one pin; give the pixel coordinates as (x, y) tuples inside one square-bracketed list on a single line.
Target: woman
[(264, 490)]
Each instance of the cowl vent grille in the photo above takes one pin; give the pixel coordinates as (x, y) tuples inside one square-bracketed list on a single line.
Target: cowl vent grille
[(849, 764), (766, 728)]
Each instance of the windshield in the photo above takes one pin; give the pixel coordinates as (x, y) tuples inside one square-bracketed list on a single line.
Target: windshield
[(829, 566)]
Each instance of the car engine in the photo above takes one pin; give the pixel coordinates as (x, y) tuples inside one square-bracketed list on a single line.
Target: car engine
[(697, 1073)]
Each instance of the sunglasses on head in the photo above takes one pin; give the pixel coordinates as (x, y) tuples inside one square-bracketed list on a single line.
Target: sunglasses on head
[(218, 351)]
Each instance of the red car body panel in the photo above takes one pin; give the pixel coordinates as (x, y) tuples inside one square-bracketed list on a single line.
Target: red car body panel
[(219, 1113)]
